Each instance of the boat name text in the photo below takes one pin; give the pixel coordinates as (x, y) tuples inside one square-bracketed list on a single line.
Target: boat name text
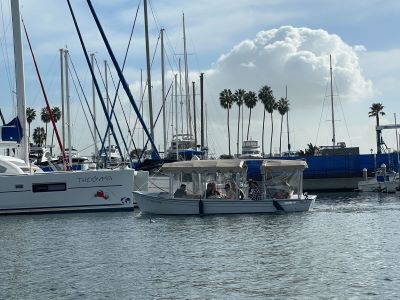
[(93, 179)]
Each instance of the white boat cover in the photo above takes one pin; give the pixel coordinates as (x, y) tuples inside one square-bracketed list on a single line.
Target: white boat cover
[(282, 165), (212, 166)]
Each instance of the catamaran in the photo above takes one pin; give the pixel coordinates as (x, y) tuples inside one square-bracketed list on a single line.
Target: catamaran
[(25, 189)]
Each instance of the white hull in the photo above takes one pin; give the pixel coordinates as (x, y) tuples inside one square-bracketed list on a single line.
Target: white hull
[(102, 190), (161, 203)]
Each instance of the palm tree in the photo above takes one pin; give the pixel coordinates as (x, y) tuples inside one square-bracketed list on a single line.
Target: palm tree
[(226, 101), (250, 100), (39, 136), (267, 98), (30, 116), (376, 109), (238, 99), (45, 117), (283, 108), (56, 112)]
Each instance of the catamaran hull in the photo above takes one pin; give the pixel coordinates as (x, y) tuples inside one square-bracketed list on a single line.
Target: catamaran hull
[(105, 190), (162, 204)]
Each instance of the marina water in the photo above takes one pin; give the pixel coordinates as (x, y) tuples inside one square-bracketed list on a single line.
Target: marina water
[(348, 247)]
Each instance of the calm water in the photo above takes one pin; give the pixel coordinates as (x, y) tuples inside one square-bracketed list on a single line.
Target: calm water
[(348, 247)]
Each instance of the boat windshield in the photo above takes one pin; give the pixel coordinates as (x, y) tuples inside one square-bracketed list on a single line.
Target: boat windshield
[(282, 184)]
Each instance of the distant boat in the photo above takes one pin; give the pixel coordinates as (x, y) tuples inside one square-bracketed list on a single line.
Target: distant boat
[(251, 149), (183, 147), (383, 181)]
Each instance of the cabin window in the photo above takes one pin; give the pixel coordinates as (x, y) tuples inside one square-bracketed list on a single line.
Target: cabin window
[(49, 187), (3, 169)]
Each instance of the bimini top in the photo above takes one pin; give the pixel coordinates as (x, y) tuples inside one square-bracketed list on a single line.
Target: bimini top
[(212, 166), (282, 165)]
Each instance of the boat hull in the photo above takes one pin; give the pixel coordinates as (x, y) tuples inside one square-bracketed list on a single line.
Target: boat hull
[(104, 190), (163, 204)]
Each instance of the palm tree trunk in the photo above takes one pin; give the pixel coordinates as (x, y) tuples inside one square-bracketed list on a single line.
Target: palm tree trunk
[(272, 134), (29, 132), (242, 124), (238, 135), (262, 135), (52, 139), (229, 135), (280, 138), (378, 136), (248, 127), (45, 141)]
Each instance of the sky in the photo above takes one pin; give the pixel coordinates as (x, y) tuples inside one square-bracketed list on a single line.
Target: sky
[(236, 44)]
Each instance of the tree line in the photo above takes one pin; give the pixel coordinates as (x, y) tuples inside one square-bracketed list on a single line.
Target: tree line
[(250, 99), (39, 133)]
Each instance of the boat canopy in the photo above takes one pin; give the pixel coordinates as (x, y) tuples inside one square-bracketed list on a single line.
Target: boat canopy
[(283, 165), (212, 166)]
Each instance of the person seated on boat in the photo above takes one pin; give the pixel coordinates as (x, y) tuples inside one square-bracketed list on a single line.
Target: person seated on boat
[(254, 190), (181, 192), (233, 187), (285, 191), (211, 191), (230, 192), (215, 193)]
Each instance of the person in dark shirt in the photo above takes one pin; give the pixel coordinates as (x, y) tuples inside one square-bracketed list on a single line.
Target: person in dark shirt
[(181, 192)]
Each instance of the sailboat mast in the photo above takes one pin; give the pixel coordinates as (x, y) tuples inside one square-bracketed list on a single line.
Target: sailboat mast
[(194, 113), (19, 79), (163, 91), (107, 98), (202, 110), (96, 150), (287, 125), (146, 31), (62, 95), (180, 90), (141, 103), (176, 117), (333, 111), (68, 107), (187, 93)]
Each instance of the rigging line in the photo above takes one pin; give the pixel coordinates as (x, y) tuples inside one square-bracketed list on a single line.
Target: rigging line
[(195, 51), (6, 55), (84, 95), (158, 26), (174, 54), (80, 100), (123, 112), (341, 108), (120, 74), (65, 160), (145, 86), (155, 122), (112, 113), (123, 67), (320, 118), (126, 54), (154, 17), (93, 75)]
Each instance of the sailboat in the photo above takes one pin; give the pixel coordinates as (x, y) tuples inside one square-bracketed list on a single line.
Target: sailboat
[(184, 145), (25, 189)]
